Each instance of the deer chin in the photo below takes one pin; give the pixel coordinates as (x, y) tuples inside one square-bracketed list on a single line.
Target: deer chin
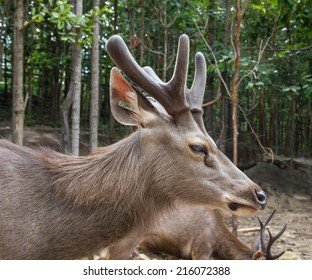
[(241, 209)]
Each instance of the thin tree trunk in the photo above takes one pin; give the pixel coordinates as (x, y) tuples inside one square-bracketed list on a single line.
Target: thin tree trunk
[(111, 118), (209, 120), (262, 119), (224, 94), (94, 102), (18, 73), (57, 80), (142, 4), (76, 88), (6, 8), (165, 26), (73, 97), (273, 115), (309, 129), (30, 88), (65, 118), (166, 22), (235, 83), (131, 25)]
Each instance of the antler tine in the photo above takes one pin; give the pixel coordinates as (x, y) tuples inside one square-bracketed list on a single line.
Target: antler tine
[(170, 95), (178, 80), (262, 236), (269, 218), (151, 72), (262, 230), (195, 94), (266, 248), (272, 239), (197, 90)]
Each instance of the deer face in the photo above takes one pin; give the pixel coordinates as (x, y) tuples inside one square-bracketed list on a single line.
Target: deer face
[(200, 168), (188, 165)]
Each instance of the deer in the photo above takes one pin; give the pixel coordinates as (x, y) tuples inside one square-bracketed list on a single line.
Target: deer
[(195, 232), (60, 206)]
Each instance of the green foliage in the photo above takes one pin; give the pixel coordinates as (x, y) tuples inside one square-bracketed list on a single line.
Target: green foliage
[(67, 22), (281, 75)]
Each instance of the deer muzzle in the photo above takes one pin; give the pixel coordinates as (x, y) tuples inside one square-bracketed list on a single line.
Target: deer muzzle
[(245, 206)]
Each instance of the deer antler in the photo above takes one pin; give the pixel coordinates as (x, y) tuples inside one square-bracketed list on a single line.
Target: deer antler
[(266, 248), (171, 95), (195, 94)]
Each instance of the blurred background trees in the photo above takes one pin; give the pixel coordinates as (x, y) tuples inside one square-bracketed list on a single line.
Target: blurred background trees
[(274, 82)]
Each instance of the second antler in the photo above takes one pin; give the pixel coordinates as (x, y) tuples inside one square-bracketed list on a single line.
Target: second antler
[(266, 247)]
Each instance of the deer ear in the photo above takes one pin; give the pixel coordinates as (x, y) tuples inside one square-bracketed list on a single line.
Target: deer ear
[(128, 107), (257, 255)]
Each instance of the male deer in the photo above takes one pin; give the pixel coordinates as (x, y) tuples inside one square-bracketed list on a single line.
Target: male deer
[(56, 206), (195, 232)]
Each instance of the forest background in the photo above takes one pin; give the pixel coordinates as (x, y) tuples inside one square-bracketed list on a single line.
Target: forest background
[(55, 70)]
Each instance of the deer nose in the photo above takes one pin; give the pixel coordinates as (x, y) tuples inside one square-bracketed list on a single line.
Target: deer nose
[(261, 199)]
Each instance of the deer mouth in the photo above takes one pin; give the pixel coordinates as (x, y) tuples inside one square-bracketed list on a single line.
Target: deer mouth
[(241, 209), (234, 206)]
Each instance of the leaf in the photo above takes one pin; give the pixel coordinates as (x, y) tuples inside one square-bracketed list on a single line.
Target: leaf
[(60, 24), (55, 15), (291, 88), (260, 84), (68, 25), (250, 85)]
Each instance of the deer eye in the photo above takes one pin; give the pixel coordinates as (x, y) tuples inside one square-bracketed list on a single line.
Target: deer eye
[(199, 149)]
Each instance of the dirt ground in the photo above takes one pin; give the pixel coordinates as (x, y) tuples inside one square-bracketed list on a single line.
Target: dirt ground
[(297, 239)]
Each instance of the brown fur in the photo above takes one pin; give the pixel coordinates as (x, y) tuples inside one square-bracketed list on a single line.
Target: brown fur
[(58, 208), (188, 232)]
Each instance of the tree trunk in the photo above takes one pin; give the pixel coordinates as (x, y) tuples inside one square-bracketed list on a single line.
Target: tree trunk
[(142, 31), (210, 77), (166, 22), (76, 88), (57, 81), (131, 18), (18, 73), (111, 118), (262, 119), (235, 83), (309, 129), (94, 102), (165, 26), (224, 93), (72, 99), (3, 29), (272, 136)]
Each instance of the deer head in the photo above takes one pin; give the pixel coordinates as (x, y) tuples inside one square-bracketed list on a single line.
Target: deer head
[(189, 165)]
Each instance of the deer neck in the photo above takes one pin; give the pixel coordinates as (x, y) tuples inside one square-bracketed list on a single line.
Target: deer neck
[(115, 179)]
